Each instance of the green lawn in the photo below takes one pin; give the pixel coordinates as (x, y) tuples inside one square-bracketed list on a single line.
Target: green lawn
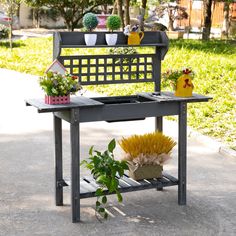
[(214, 64)]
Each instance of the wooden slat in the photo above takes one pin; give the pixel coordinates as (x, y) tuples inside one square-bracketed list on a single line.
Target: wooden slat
[(123, 184), (92, 181), (171, 178), (87, 186), (130, 181)]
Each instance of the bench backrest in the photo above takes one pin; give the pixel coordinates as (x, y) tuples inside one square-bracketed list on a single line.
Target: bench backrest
[(112, 68)]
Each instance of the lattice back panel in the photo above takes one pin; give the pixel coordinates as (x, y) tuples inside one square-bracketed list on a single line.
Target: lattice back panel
[(110, 69)]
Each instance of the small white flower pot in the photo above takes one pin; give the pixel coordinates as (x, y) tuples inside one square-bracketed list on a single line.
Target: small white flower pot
[(90, 39), (111, 39)]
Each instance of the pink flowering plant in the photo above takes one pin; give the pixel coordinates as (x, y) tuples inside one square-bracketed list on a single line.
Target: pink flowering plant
[(56, 84)]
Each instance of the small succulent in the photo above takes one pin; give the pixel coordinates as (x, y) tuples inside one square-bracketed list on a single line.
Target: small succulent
[(90, 21)]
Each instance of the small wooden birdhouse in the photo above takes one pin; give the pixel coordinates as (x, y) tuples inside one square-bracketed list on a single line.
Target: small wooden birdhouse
[(184, 85), (56, 66)]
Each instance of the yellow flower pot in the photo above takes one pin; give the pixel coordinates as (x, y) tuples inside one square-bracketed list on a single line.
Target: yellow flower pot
[(184, 86)]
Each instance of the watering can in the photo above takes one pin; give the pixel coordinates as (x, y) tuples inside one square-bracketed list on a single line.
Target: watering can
[(135, 38)]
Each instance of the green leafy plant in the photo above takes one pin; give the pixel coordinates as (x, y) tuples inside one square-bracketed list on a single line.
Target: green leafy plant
[(113, 22), (105, 170), (90, 21), (55, 84)]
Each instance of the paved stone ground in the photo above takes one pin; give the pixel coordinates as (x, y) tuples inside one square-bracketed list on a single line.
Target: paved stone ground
[(27, 180)]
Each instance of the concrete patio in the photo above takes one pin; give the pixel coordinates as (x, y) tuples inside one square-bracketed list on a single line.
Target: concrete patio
[(27, 178)]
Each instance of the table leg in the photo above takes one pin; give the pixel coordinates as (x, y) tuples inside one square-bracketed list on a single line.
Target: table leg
[(159, 123), (75, 167), (58, 160), (159, 127), (182, 153)]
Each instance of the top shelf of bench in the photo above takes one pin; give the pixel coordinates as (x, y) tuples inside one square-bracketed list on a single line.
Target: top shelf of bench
[(76, 39)]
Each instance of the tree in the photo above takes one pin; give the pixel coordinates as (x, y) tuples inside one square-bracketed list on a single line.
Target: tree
[(207, 5), (174, 12), (72, 11), (12, 9), (226, 22)]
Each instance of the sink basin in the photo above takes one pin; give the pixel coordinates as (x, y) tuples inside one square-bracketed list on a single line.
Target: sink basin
[(122, 99)]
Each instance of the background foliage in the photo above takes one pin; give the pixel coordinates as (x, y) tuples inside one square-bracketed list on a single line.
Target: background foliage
[(213, 62)]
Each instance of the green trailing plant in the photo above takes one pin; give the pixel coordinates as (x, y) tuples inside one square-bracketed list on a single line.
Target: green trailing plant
[(105, 170), (90, 21), (113, 22)]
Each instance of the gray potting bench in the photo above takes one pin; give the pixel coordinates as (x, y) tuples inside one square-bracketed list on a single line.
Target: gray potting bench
[(112, 69)]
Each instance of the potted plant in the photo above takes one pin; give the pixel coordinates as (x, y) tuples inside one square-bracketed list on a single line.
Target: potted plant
[(105, 170), (90, 22), (58, 87), (146, 154), (181, 81), (113, 23)]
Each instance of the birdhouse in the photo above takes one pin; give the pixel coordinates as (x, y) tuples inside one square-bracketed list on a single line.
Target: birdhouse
[(184, 85), (56, 66)]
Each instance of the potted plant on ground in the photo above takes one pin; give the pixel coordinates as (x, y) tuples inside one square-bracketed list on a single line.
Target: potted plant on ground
[(146, 154), (90, 22), (58, 87), (105, 170), (113, 23), (181, 81)]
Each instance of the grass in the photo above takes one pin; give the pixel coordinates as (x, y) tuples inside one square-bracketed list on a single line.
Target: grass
[(214, 63)]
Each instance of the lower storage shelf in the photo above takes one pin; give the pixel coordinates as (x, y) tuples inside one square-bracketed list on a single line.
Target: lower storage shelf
[(88, 185)]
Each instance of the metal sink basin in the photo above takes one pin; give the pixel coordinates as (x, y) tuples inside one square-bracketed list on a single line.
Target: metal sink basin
[(122, 99)]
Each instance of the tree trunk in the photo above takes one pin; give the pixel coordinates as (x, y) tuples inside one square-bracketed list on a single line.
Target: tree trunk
[(142, 14), (114, 10), (207, 4), (127, 16), (144, 4), (225, 28), (171, 21), (120, 12)]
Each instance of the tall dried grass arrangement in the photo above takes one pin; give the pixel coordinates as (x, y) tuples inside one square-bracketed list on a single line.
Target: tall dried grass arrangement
[(149, 148)]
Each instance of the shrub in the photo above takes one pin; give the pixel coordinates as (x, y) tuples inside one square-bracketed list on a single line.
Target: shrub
[(113, 22), (90, 21), (4, 31)]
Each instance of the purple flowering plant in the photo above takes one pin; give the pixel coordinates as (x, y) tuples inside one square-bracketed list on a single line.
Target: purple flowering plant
[(56, 84)]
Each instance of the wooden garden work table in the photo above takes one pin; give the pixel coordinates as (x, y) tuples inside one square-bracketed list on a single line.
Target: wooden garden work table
[(81, 109)]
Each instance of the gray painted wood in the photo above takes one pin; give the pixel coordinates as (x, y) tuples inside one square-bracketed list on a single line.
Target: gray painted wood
[(58, 160), (81, 109), (151, 103), (76, 102), (75, 166), (182, 153)]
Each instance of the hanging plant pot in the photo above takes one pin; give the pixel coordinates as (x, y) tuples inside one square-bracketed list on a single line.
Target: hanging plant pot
[(54, 100), (111, 39), (90, 39)]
